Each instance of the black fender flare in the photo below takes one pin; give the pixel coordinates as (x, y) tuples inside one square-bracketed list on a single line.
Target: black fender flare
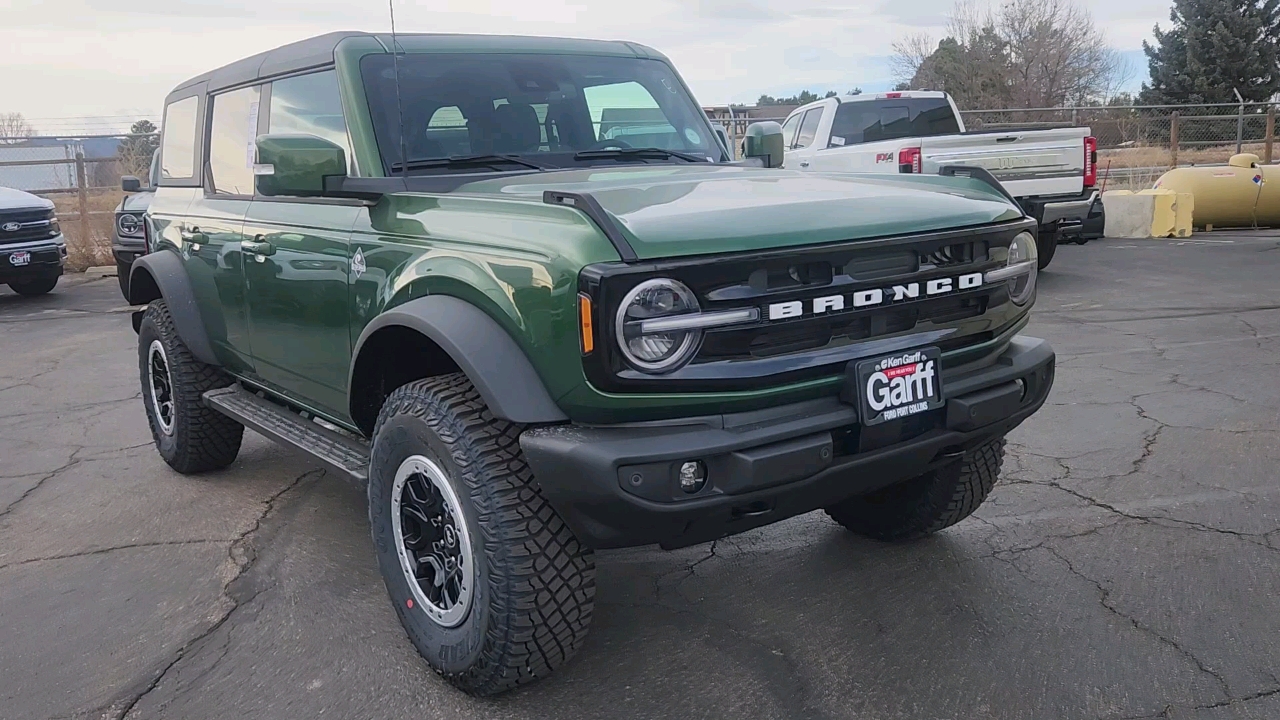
[(482, 349), (161, 275)]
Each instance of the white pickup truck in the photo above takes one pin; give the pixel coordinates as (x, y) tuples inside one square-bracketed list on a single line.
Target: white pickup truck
[(1051, 173)]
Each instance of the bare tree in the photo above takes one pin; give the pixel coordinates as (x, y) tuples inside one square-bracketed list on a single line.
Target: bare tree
[(909, 54), (1023, 53), (12, 126), (1058, 56)]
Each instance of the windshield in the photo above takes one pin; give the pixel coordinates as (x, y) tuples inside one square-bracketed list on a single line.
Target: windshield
[(864, 121), (544, 109)]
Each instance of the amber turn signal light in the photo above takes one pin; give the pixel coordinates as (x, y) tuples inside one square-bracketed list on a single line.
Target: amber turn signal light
[(584, 319)]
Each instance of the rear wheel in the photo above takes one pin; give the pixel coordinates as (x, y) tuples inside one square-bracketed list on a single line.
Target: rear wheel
[(34, 287), (927, 504), (491, 586), (189, 436)]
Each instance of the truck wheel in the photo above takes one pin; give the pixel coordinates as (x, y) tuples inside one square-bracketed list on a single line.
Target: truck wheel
[(34, 287), (190, 437), (926, 504), (491, 586), (1046, 247)]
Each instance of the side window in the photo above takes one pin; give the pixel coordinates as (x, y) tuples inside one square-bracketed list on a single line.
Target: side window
[(231, 143), (179, 150), (789, 131), (309, 105), (809, 128)]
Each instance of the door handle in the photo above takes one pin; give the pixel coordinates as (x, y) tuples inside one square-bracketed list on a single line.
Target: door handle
[(258, 247), (192, 236), (804, 163)]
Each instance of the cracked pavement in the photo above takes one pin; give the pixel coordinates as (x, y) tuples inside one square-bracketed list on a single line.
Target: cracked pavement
[(1127, 565)]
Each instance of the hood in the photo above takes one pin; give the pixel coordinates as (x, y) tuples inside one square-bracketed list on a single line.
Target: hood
[(137, 203), (11, 199), (669, 211)]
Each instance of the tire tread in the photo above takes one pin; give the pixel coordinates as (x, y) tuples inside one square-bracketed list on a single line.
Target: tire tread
[(542, 578)]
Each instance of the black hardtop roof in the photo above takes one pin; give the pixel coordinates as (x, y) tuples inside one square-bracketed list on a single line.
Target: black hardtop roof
[(319, 51)]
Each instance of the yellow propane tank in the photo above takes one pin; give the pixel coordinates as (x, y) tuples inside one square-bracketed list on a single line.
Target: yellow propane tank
[(1226, 196)]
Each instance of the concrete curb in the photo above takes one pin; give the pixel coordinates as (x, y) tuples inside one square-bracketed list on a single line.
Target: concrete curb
[(100, 271)]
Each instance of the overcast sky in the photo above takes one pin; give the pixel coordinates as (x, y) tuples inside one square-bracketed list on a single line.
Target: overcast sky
[(76, 58)]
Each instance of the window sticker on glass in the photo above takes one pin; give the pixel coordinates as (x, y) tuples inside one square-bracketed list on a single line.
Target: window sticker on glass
[(693, 136), (837, 140)]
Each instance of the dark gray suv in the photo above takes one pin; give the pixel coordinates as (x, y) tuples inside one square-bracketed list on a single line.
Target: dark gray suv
[(129, 237)]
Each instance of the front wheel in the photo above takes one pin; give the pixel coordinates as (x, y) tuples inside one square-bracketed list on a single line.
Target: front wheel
[(491, 586), (1046, 246), (927, 504), (189, 436), (42, 286)]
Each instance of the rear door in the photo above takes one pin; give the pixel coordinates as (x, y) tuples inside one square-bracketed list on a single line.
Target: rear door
[(210, 231), (297, 261), (1027, 162)]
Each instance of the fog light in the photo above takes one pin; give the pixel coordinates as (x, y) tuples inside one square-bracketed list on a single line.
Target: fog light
[(693, 476)]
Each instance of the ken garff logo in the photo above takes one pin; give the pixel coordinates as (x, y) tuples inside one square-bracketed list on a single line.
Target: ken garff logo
[(11, 227)]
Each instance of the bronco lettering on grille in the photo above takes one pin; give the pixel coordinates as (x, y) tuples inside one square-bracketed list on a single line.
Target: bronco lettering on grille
[(873, 298)]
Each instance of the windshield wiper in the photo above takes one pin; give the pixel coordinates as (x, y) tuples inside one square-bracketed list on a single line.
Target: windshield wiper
[(465, 161), (639, 152)]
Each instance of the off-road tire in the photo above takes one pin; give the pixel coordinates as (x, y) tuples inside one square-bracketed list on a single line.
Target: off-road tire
[(42, 286), (202, 439), (927, 504), (1046, 248), (535, 589)]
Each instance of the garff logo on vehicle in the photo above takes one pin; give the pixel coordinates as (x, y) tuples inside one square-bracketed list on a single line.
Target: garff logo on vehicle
[(904, 383), (873, 298), (11, 227)]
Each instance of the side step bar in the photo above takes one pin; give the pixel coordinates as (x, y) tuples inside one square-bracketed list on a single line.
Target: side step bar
[(337, 451)]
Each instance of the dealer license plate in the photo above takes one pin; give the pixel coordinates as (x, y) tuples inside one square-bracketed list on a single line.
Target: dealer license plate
[(898, 386), (20, 258)]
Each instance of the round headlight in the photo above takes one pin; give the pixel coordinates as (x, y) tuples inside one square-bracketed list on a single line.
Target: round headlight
[(1023, 250), (129, 224), (656, 352)]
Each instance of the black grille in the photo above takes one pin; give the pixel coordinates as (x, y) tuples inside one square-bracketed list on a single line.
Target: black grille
[(37, 224), (818, 341)]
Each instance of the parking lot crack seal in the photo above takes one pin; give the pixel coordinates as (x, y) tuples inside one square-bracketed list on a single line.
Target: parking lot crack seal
[(113, 548), (242, 555), (1105, 601)]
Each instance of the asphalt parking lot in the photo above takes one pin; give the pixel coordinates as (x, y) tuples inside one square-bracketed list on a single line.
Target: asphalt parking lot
[(1127, 566)]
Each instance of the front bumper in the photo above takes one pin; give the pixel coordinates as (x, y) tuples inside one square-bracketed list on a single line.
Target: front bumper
[(126, 250), (47, 258), (616, 486), (1070, 210)]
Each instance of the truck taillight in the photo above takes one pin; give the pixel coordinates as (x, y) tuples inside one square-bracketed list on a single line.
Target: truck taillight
[(910, 160), (1090, 161)]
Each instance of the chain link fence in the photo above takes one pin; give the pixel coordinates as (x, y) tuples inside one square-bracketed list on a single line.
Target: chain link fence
[(81, 175), (1139, 143)]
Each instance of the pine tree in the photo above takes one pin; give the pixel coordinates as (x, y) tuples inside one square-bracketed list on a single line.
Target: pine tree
[(1213, 47)]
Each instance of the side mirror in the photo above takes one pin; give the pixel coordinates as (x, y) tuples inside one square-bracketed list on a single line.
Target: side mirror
[(764, 141), (296, 165), (130, 184)]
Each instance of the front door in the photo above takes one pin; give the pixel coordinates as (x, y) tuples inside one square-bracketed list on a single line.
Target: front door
[(296, 265), (297, 261)]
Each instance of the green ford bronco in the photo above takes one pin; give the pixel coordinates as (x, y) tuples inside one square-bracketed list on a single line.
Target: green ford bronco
[(519, 289)]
